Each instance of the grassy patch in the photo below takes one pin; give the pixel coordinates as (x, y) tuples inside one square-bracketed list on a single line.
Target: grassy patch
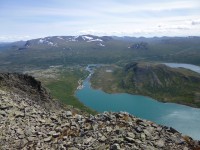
[(63, 85)]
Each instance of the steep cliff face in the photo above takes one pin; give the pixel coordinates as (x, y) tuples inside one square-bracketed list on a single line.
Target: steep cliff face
[(26, 123)]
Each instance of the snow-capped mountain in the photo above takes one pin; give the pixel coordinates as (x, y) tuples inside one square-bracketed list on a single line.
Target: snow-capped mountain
[(56, 41)]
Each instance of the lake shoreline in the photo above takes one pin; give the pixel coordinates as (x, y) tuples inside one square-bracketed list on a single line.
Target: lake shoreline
[(135, 94)]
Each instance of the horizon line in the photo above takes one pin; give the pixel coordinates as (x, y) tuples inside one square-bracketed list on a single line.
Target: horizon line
[(41, 37)]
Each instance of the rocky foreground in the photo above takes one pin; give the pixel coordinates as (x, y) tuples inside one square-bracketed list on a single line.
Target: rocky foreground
[(27, 124)]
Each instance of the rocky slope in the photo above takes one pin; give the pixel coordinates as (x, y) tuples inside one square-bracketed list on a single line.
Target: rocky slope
[(29, 87), (25, 123)]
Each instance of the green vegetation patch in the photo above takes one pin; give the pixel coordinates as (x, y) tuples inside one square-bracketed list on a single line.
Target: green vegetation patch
[(62, 84)]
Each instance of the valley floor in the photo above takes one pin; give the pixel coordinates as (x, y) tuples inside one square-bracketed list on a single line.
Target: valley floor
[(62, 83)]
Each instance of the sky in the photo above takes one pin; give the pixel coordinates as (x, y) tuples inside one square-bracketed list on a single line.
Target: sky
[(28, 19)]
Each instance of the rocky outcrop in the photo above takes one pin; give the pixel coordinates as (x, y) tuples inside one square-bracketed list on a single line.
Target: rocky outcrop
[(27, 124), (27, 85)]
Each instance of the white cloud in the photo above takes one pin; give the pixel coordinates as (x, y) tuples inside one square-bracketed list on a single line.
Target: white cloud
[(196, 22), (161, 6)]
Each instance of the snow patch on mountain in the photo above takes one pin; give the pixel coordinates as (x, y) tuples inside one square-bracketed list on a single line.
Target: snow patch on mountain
[(100, 44), (45, 41), (58, 37), (95, 40), (72, 39), (41, 41), (50, 43), (87, 37)]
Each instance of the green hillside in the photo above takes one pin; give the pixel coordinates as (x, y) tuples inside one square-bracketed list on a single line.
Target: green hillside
[(155, 80)]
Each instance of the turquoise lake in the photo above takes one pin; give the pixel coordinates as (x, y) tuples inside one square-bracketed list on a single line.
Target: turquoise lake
[(183, 118)]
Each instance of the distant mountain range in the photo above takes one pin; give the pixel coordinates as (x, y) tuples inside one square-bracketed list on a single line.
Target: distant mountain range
[(56, 41), (85, 49)]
